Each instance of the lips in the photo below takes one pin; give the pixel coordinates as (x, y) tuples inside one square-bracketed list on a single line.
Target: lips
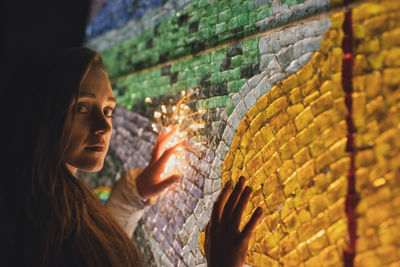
[(101, 147)]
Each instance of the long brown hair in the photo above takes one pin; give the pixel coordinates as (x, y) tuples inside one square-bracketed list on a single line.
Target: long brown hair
[(67, 224)]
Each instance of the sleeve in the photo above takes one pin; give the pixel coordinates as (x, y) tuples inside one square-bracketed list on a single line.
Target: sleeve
[(125, 202)]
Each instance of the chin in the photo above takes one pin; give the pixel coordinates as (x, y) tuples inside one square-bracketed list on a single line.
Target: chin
[(92, 168), (88, 165)]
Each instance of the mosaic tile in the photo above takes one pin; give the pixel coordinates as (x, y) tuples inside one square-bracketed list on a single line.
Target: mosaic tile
[(248, 55)]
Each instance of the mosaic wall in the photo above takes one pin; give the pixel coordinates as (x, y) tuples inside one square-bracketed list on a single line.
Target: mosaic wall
[(301, 98)]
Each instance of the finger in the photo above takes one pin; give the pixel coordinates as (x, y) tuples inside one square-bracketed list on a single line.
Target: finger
[(162, 140), (233, 199), (249, 227), (167, 137), (161, 186), (219, 204), (159, 165), (240, 207)]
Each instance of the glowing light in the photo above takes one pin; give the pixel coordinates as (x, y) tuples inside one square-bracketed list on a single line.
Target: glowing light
[(154, 126), (148, 100), (182, 119), (176, 163), (379, 182), (157, 114)]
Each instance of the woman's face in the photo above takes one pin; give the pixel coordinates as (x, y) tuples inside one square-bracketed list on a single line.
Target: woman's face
[(91, 126)]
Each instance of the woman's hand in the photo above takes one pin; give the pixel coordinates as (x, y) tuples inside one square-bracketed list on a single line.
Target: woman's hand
[(225, 244), (150, 183)]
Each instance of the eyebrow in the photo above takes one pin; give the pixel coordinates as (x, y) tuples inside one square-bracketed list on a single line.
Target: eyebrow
[(91, 95)]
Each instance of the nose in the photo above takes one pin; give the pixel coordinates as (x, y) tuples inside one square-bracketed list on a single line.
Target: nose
[(100, 123)]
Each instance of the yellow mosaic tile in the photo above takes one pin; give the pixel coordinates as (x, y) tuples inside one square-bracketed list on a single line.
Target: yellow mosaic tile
[(291, 147), (376, 83), (298, 133)]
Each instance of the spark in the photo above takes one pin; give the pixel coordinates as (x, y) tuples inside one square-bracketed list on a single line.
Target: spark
[(157, 114), (154, 126), (183, 120), (148, 100)]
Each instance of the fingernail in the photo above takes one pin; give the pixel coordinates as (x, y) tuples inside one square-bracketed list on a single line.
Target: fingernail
[(248, 189), (228, 184)]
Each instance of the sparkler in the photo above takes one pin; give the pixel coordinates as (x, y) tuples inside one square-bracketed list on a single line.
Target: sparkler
[(186, 122)]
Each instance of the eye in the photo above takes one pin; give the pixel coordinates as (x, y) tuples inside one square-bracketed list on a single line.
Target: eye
[(108, 112), (82, 108)]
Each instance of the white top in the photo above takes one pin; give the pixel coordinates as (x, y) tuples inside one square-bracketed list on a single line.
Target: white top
[(125, 202)]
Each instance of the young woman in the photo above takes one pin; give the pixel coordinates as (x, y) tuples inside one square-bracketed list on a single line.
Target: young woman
[(56, 220)]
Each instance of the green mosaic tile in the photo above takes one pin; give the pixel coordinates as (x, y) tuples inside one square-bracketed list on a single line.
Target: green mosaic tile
[(221, 101), (202, 3), (213, 102), (202, 69), (180, 51), (235, 2), (237, 10), (219, 21), (263, 12), (219, 54), (250, 45), (215, 77), (221, 28), (229, 107), (224, 36), (225, 15), (249, 5), (238, 61), (192, 83), (222, 5), (192, 38), (233, 23), (213, 9), (209, 103), (195, 16), (215, 66), (243, 19), (165, 26), (185, 74), (230, 75), (234, 86)]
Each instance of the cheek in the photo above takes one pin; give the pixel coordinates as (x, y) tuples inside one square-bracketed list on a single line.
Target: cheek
[(76, 140)]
